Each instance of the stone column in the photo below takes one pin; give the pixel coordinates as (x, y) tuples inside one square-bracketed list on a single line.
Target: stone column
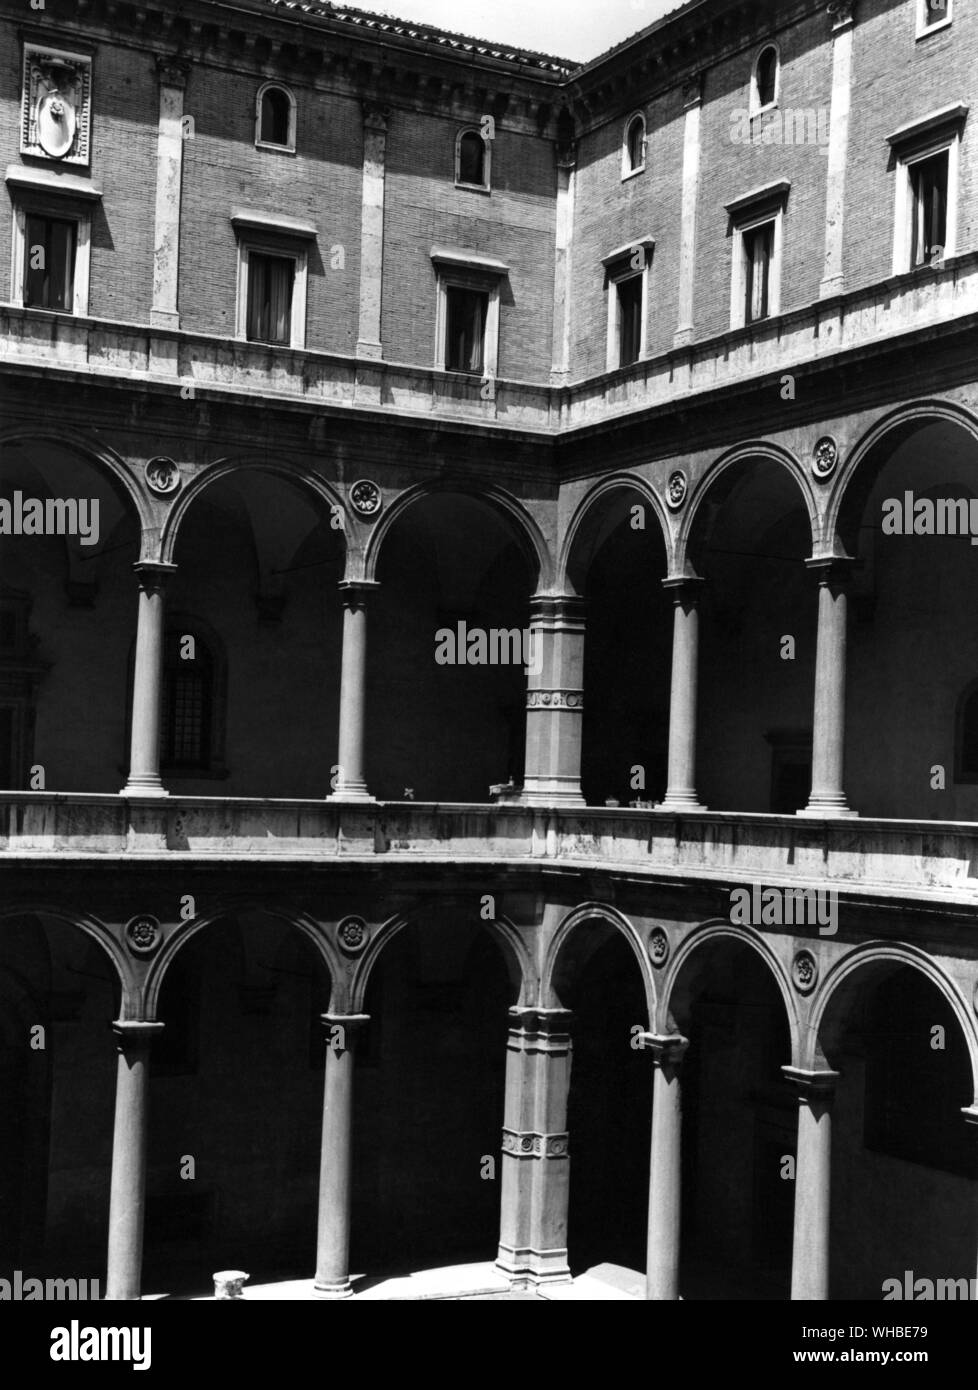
[(128, 1190), (828, 796), (566, 185), (333, 1233), (681, 790), (350, 783), (665, 1167), (813, 1172), (692, 104), (555, 702), (535, 1163), (169, 167), (147, 683), (838, 145), (372, 229)]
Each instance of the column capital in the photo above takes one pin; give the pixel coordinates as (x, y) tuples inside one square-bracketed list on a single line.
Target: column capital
[(173, 68), (684, 587), (812, 1084), (153, 574), (357, 589), (558, 608), (970, 1113), (832, 568), (842, 14), (129, 1032), (668, 1049), (351, 1021), (693, 91), (539, 1030)]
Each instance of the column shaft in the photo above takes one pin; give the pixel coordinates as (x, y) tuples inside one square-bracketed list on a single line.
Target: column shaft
[(335, 1168), (147, 685), (350, 783), (829, 732), (813, 1170), (665, 1168), (128, 1183), (681, 789)]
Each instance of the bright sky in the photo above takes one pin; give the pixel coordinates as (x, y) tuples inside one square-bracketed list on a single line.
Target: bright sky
[(576, 29)]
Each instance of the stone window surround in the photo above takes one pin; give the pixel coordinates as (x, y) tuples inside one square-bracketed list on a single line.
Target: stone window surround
[(923, 28), (752, 210), (618, 267), (626, 171), (486, 185), (932, 134), (260, 144), (755, 106), (273, 234), (50, 193), (469, 270)]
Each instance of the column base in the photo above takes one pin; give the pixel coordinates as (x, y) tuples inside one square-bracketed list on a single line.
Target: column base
[(680, 801), (533, 1267), (135, 787), (829, 809), (552, 792), (355, 792), (336, 1291)]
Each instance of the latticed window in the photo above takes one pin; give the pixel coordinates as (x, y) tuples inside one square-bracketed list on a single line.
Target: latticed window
[(188, 679)]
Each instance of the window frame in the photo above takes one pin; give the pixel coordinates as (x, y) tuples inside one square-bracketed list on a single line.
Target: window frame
[(627, 171), (747, 214), (260, 144), (619, 268), (486, 185), (468, 270), (932, 135), (61, 209), (923, 29), (757, 107), (265, 246)]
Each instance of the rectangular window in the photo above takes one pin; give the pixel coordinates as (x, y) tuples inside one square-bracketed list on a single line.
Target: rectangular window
[(186, 719), (49, 263), (629, 320), (758, 245), (929, 179), (270, 280), (466, 312), (932, 14)]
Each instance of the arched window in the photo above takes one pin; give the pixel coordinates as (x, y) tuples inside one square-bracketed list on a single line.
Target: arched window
[(275, 117), (764, 91), (472, 154), (966, 736), (633, 147)]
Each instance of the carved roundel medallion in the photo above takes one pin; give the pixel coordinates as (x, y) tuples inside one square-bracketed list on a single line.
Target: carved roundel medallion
[(162, 476), (676, 489), (658, 947), (143, 935), (804, 971), (352, 935), (365, 498), (825, 456)]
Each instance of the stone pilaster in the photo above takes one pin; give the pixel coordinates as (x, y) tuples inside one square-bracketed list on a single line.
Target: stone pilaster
[(555, 703), (535, 1162), (563, 250), (841, 11), (372, 230), (169, 171), (692, 105)]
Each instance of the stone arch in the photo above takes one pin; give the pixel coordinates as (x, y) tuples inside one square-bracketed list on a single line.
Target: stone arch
[(527, 533), (859, 472), (97, 453), (224, 468), (878, 955), (722, 930), (585, 511), (551, 976), (349, 994), (741, 453), (228, 907), (95, 929)]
